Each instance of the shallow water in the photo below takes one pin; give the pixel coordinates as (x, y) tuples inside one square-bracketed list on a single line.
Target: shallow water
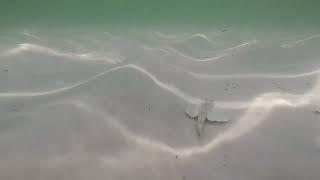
[(79, 104), (99, 89)]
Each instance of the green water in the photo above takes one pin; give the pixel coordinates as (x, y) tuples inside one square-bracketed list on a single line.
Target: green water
[(153, 13)]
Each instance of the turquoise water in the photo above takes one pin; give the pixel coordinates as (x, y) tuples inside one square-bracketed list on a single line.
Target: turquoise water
[(160, 13), (100, 89)]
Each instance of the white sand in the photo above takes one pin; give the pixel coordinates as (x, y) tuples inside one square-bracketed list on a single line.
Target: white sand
[(105, 105)]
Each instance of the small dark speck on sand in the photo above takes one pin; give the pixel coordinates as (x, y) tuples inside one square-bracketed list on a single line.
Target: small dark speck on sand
[(317, 112), (5, 70), (15, 108), (149, 108), (224, 30), (176, 156)]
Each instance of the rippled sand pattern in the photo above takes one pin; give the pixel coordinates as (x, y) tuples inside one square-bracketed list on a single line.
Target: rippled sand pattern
[(111, 105)]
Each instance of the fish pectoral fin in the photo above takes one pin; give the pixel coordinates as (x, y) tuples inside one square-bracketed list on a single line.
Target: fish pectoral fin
[(192, 110), (216, 116)]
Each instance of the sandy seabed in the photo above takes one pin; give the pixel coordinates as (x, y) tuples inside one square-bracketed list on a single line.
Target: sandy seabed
[(111, 105)]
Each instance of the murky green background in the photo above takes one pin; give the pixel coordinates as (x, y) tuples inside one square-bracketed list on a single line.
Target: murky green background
[(150, 13)]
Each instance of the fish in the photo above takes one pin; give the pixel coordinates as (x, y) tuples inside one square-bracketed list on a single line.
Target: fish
[(205, 111)]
